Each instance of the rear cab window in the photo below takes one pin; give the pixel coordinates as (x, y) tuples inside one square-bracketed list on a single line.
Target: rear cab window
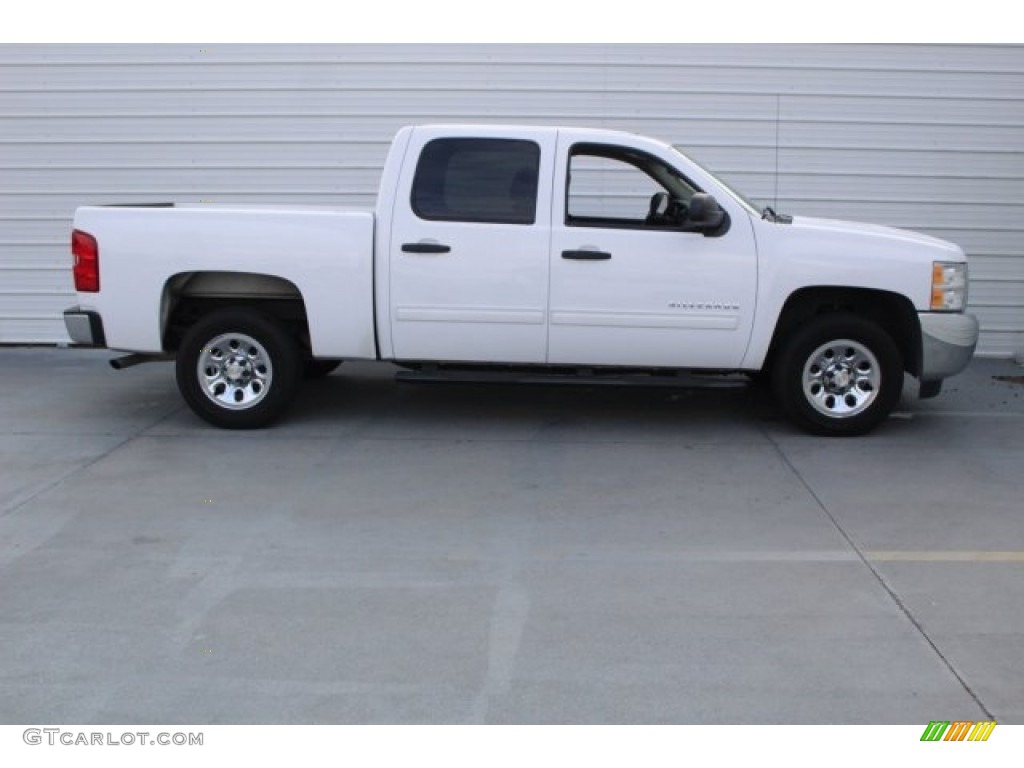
[(477, 180)]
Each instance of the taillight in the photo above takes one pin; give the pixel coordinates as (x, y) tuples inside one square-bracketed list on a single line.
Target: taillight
[(87, 262)]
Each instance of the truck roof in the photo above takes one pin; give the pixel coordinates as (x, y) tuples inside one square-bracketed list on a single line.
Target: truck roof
[(493, 128)]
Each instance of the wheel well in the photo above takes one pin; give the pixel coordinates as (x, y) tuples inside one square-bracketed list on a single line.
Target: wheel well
[(892, 311), (189, 296)]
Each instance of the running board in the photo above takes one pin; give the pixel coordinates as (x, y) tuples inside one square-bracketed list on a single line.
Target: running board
[(633, 381), (128, 361)]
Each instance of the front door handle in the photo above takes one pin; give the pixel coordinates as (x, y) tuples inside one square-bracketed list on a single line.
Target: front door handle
[(425, 248), (587, 255)]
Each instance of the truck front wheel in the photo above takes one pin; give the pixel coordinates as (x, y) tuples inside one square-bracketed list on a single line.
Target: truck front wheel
[(238, 368), (839, 374)]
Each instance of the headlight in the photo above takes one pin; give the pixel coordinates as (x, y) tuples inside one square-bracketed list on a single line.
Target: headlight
[(949, 286)]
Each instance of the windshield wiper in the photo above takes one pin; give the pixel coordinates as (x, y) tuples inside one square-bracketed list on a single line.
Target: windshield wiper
[(769, 214)]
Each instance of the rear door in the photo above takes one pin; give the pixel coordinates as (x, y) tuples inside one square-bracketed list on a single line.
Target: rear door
[(469, 246)]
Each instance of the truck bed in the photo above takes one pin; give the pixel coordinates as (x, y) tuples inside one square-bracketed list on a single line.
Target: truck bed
[(327, 254)]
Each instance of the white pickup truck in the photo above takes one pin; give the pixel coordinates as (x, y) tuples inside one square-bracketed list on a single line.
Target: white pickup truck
[(538, 250)]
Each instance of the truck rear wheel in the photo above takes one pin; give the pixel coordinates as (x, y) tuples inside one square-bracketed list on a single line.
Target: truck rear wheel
[(839, 374), (238, 368)]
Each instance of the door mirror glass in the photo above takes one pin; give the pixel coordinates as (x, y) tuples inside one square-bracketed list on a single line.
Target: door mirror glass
[(704, 214)]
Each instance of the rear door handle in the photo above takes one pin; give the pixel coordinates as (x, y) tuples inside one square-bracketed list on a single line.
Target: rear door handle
[(425, 248), (587, 255)]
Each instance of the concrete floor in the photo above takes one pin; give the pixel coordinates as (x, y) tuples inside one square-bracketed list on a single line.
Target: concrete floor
[(456, 554)]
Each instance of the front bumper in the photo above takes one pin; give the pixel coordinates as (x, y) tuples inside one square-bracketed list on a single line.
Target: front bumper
[(947, 344), (85, 327)]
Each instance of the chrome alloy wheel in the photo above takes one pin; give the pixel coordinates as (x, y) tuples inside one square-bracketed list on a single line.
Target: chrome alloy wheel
[(841, 378), (235, 371)]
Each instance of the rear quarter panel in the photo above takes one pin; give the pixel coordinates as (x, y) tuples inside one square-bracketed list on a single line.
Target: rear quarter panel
[(326, 254)]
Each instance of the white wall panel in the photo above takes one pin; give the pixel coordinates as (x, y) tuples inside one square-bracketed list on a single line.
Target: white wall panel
[(926, 137)]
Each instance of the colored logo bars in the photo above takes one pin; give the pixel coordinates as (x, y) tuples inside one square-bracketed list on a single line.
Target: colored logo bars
[(960, 730)]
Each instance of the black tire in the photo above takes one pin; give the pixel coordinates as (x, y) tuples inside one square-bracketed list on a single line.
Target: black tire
[(238, 368), (838, 375), (318, 369)]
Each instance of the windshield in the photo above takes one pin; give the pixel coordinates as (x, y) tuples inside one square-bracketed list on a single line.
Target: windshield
[(754, 207)]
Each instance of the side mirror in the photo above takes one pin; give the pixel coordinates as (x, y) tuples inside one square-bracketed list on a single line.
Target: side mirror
[(704, 214)]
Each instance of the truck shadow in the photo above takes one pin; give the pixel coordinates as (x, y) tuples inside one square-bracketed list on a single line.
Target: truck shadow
[(367, 397)]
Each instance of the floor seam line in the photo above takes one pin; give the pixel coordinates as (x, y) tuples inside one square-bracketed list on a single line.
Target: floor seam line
[(880, 579), (60, 480)]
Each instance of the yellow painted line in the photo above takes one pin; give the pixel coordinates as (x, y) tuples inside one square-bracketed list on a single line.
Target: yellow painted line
[(947, 556)]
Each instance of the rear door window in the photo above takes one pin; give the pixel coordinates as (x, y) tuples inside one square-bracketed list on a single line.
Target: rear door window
[(477, 180)]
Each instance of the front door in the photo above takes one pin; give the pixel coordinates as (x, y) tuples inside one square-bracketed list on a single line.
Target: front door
[(629, 287)]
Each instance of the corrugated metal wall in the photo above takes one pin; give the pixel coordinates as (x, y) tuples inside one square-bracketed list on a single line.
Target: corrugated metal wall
[(925, 137)]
